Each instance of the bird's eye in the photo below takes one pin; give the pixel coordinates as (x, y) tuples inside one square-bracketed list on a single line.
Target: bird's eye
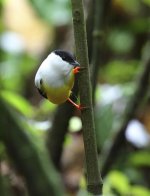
[(64, 58)]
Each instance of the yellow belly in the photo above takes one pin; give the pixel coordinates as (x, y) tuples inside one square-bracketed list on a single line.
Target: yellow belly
[(60, 94)]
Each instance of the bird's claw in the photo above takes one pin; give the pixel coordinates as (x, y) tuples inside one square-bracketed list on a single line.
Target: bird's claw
[(80, 107)]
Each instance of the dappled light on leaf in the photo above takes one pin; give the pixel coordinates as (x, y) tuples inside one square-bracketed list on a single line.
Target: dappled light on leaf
[(18, 102)]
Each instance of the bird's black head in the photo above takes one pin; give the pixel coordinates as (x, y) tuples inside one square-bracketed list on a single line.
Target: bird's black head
[(66, 56)]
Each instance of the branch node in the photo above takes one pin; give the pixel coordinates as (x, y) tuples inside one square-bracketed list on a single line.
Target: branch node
[(76, 17)]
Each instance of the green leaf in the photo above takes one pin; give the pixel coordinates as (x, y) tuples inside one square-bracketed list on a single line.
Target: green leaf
[(118, 71), (141, 158), (18, 102), (46, 107), (147, 2), (15, 71), (138, 25), (116, 181), (57, 12), (131, 6), (120, 41), (139, 190)]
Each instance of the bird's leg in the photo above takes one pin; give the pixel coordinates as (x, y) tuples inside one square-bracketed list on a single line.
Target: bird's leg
[(78, 69), (79, 107), (73, 103)]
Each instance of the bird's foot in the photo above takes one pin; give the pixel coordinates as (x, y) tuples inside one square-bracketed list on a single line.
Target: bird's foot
[(80, 107)]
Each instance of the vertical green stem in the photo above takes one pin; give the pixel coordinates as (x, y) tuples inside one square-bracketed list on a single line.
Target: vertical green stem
[(101, 13), (94, 182)]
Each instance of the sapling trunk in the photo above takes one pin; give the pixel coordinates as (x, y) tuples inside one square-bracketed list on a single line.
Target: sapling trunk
[(94, 182)]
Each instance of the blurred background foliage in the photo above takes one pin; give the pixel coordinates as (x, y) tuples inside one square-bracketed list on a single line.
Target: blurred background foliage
[(29, 30)]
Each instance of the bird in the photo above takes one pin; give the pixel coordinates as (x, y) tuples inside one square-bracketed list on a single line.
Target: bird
[(55, 77)]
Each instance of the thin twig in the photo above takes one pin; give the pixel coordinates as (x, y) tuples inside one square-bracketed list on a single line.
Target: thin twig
[(101, 8), (94, 182)]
